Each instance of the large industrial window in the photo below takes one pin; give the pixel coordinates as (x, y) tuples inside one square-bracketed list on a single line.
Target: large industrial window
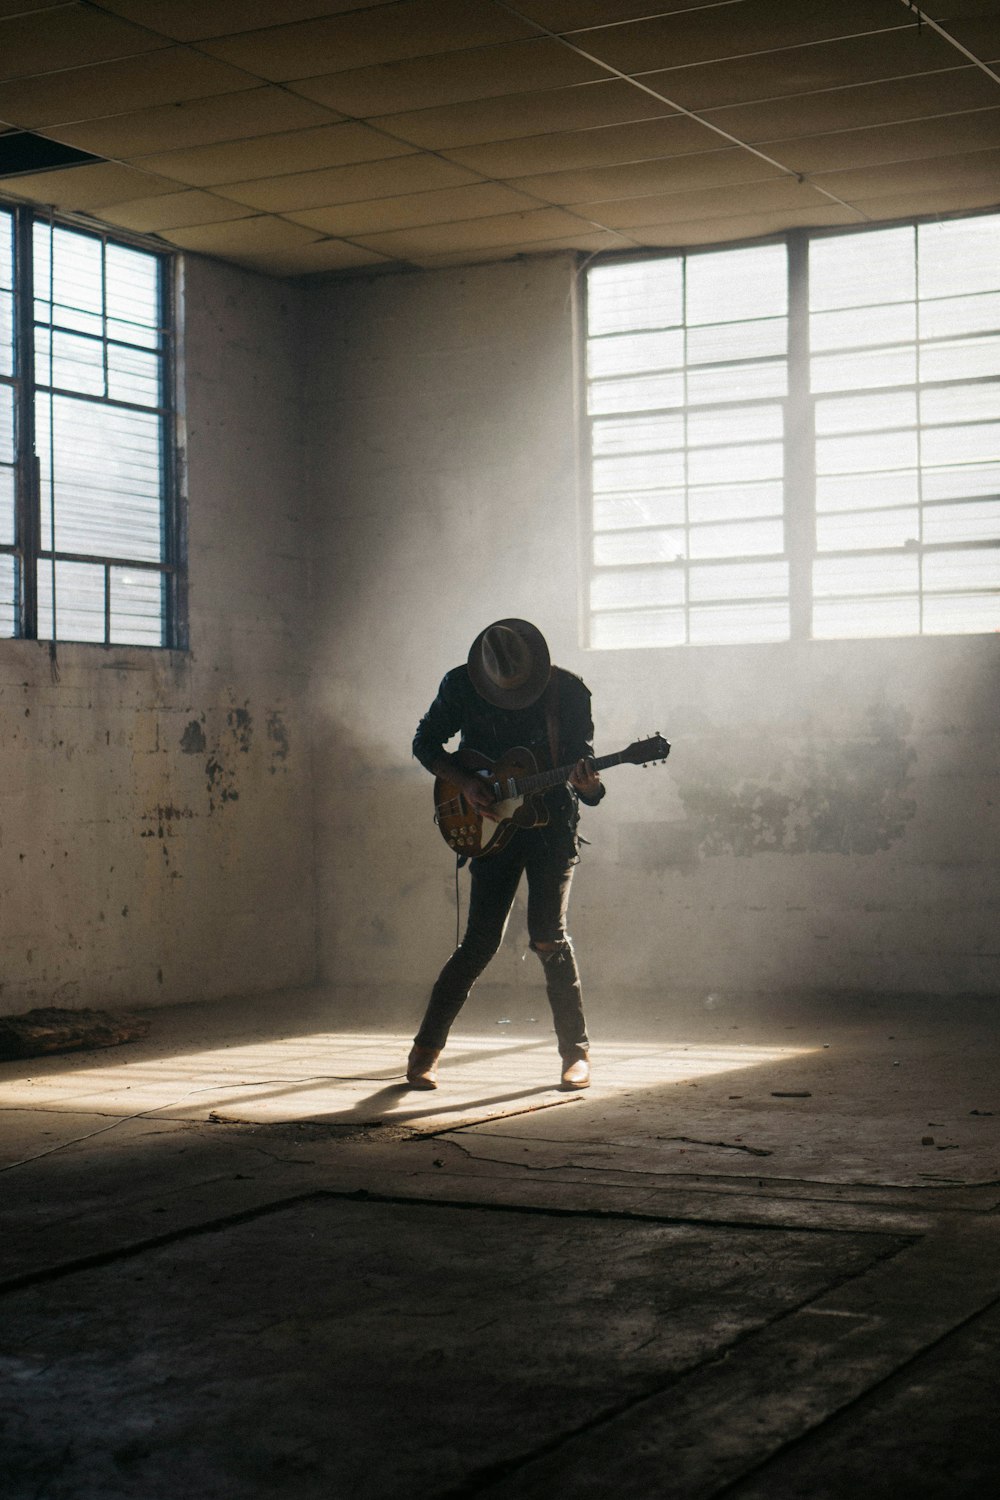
[(797, 438), (88, 531)]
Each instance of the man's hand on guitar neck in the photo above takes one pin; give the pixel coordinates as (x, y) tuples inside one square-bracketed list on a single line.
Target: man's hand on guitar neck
[(585, 779)]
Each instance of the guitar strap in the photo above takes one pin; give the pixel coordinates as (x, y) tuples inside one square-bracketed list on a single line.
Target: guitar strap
[(552, 715)]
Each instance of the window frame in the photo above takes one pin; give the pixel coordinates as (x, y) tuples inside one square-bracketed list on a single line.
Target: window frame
[(27, 551), (801, 551)]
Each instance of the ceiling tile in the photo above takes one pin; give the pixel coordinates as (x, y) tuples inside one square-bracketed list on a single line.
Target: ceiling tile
[(981, 34), (86, 187), (511, 116), (68, 37), (319, 257), (164, 77), (632, 213), (744, 225), (945, 199), (353, 184), (20, 7), (194, 20), (479, 201), (195, 122), (440, 239), (800, 70), (975, 170), (737, 30), (592, 243), (242, 237), (295, 151), (881, 103), (608, 146), (168, 211), (382, 34), (914, 141), (571, 15), (484, 72), (671, 174)]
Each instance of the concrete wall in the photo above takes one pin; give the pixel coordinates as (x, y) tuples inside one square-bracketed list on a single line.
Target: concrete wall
[(155, 817), (828, 818)]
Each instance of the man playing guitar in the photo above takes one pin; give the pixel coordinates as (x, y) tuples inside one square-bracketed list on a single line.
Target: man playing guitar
[(509, 698)]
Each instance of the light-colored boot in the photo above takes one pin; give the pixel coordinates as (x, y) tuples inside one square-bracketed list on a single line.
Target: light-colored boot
[(576, 1069), (421, 1067)]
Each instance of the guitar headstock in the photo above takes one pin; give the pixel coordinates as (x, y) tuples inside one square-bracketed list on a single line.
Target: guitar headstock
[(641, 752)]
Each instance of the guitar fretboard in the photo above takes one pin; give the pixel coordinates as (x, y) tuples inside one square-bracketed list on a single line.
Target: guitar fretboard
[(522, 786)]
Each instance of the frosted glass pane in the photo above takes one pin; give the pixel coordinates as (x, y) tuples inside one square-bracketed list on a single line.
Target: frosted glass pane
[(739, 624), (751, 580), (974, 521), (724, 502), (100, 467), (974, 568), (737, 382), (635, 295), (737, 342), (616, 548), (970, 445), (133, 296), (858, 576), (866, 413), (6, 251), (75, 610), (618, 590), (958, 315), (961, 359), (963, 403), (637, 394), (635, 353), (864, 369), (856, 270), (714, 465), (645, 471), (133, 376), (959, 255), (742, 425), (643, 508), (738, 539), (835, 619), (955, 483), (7, 502), (6, 425), (862, 327), (69, 362), (730, 285), (653, 627), (69, 287), (866, 491), (8, 617), (136, 607), (638, 434), (841, 531), (961, 614), (893, 450)]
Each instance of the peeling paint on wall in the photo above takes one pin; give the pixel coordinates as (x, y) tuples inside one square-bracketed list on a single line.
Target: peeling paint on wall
[(844, 796), (277, 734), (193, 740)]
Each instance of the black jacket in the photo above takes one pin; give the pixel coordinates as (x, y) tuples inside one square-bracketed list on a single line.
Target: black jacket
[(458, 709)]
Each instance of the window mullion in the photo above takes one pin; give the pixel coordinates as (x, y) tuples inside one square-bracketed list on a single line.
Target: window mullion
[(28, 477), (800, 444)]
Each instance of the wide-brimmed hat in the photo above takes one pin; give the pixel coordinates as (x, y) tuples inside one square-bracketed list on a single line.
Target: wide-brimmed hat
[(509, 664)]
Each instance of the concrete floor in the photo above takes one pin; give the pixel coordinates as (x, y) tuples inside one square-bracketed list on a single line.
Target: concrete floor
[(761, 1256)]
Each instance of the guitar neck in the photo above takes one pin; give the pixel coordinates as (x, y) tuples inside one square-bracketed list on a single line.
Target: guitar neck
[(524, 785)]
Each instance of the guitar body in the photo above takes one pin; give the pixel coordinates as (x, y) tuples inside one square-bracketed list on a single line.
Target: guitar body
[(464, 828), (516, 786)]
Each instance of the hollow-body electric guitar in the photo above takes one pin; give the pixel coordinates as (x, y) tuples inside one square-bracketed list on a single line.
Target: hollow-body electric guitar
[(515, 783)]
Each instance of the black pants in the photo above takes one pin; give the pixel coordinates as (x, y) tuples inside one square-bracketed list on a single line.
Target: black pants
[(547, 856)]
